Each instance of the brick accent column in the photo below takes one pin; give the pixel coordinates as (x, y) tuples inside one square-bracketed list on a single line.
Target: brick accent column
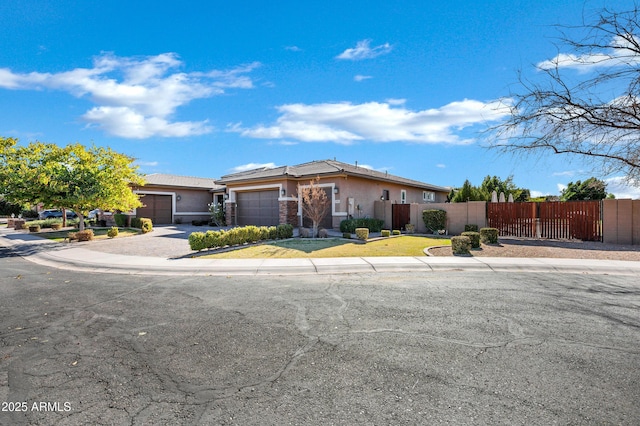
[(289, 212), (230, 213)]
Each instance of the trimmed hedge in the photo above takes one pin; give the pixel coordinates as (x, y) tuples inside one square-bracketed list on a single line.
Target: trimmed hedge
[(120, 219), (396, 232), (470, 228), (434, 220), (86, 235), (362, 233), (460, 245), (385, 233), (237, 236), (474, 237), (350, 225), (142, 223), (489, 235)]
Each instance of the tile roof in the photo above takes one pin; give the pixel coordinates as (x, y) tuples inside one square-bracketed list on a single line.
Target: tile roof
[(319, 168), (161, 179)]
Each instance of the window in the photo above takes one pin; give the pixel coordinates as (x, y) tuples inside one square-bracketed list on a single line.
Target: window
[(403, 196), (385, 195), (428, 196)]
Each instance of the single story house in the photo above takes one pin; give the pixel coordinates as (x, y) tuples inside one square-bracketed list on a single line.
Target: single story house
[(173, 199), (267, 196)]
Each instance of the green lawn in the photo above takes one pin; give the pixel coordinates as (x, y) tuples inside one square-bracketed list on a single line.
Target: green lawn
[(98, 233), (334, 247)]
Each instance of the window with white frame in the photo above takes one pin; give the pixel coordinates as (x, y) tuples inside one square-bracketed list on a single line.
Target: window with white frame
[(428, 196), (403, 196)]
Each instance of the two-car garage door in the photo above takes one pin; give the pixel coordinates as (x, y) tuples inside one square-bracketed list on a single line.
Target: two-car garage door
[(258, 208)]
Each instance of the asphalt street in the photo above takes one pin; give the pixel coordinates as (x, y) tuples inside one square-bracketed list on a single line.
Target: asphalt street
[(81, 348)]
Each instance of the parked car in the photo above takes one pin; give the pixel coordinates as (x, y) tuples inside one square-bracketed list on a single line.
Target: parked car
[(53, 214)]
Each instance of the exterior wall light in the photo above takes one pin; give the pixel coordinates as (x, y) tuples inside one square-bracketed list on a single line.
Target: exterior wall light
[(283, 192), (335, 190)]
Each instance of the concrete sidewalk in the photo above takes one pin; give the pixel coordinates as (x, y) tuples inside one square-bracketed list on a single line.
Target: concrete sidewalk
[(75, 257)]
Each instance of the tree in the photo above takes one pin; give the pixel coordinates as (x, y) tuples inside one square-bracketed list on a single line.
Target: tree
[(71, 177), (588, 103), (590, 189), (467, 192), (315, 203)]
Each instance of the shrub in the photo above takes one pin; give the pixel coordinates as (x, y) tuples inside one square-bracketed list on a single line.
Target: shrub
[(396, 232), (113, 232), (489, 235), (86, 235), (434, 220), (323, 233), (144, 224), (29, 214), (362, 233), (346, 235), (34, 228), (273, 233), (197, 241), (385, 233), (212, 239), (72, 236), (56, 226), (304, 233), (460, 245), (284, 230), (470, 228), (120, 219), (350, 225), (474, 237), (411, 228)]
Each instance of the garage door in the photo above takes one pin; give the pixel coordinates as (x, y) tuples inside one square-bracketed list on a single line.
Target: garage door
[(157, 208), (258, 208)]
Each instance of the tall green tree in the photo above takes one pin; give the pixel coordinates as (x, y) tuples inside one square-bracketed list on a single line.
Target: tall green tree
[(467, 192), (590, 189), (72, 177)]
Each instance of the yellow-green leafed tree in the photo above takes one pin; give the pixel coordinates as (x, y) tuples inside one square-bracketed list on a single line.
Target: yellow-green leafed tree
[(71, 177)]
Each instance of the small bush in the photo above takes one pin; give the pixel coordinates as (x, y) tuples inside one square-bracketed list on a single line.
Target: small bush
[(284, 230), (29, 214), (86, 235), (323, 233), (112, 232), (120, 219), (470, 228), (34, 228), (350, 225), (197, 241), (385, 233), (72, 236), (460, 245), (411, 228), (56, 226), (304, 232), (434, 220), (346, 235), (474, 237), (144, 224), (178, 220), (489, 235), (362, 233), (396, 232)]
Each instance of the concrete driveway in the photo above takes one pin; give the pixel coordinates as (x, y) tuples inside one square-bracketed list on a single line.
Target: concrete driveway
[(410, 348)]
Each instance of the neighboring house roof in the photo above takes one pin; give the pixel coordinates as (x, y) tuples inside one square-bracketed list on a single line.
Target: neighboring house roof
[(320, 168), (161, 179)]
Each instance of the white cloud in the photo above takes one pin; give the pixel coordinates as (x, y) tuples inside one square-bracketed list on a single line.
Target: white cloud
[(392, 101), (621, 188), (346, 123), (568, 173), (147, 163), (620, 53), (293, 48), (536, 194), (136, 96), (363, 50), (360, 78), (441, 166), (561, 187), (253, 166)]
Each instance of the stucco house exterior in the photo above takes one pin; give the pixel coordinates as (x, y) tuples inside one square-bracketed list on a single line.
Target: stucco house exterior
[(267, 196), (171, 199)]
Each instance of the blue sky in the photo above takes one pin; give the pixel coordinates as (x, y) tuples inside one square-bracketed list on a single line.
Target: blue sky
[(208, 88)]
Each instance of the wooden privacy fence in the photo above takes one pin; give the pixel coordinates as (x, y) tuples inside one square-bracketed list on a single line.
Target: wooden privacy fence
[(558, 220)]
